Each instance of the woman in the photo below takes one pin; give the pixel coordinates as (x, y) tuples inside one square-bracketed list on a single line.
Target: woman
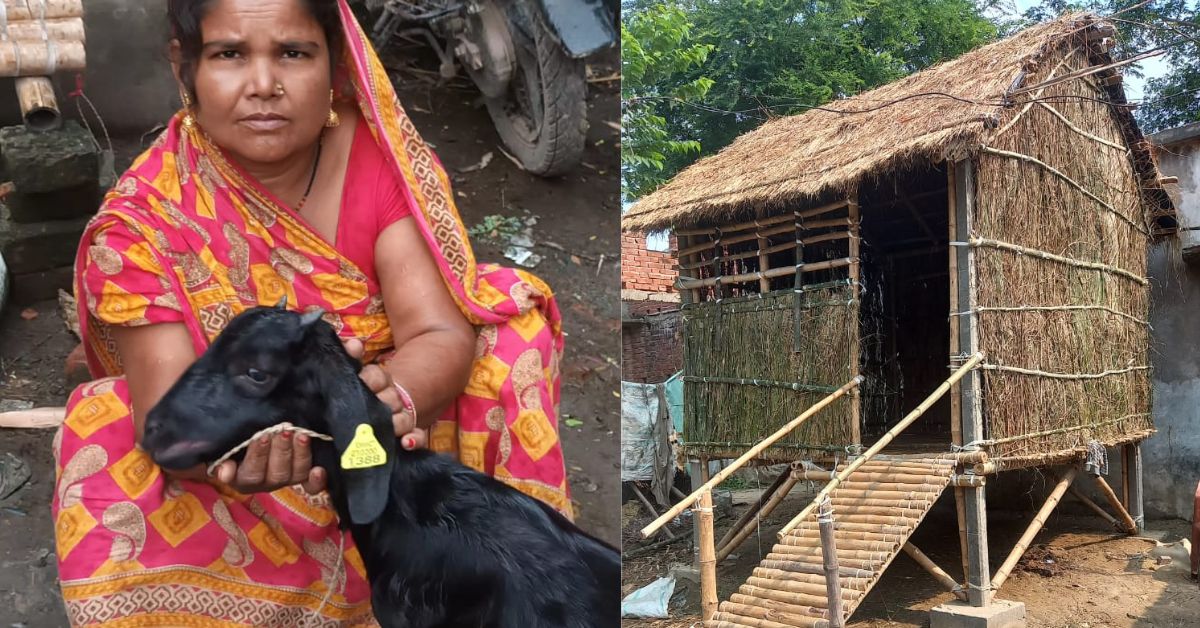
[(292, 172)]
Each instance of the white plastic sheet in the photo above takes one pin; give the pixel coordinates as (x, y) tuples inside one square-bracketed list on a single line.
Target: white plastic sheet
[(645, 438), (650, 601)]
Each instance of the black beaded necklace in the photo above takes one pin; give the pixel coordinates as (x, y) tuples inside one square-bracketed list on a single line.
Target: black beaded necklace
[(313, 176)]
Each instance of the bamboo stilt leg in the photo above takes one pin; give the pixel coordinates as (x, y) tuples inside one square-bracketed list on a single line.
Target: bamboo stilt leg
[(754, 509), (937, 572), (1094, 506), (708, 558), (1125, 477), (1127, 522), (1135, 485), (650, 508), (750, 526), (1035, 526), (960, 507)]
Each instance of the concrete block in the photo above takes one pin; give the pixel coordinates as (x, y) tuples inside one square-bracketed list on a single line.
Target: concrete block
[(31, 288), (79, 201), (45, 161), (42, 246), (999, 614)]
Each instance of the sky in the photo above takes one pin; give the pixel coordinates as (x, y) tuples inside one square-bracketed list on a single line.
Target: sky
[(1134, 86)]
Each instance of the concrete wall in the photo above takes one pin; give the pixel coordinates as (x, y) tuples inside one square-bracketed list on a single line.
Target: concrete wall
[(128, 77), (1172, 456)]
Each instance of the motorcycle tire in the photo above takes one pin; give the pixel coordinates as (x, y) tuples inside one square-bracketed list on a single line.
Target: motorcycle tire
[(548, 136)]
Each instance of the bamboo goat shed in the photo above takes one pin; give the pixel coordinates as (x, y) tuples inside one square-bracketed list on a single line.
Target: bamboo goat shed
[(1001, 203)]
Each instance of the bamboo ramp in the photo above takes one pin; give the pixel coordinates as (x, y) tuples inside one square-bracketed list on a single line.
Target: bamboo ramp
[(875, 511)]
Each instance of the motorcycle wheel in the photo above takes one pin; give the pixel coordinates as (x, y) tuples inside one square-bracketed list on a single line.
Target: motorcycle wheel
[(542, 118)]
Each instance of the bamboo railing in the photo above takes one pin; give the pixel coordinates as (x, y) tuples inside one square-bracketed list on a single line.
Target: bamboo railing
[(883, 442)]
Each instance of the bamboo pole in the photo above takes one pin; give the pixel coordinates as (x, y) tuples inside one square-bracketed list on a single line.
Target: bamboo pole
[(1087, 501), (770, 273), (764, 284), (755, 508), (740, 533), (1035, 526), (1127, 522), (39, 107), (25, 10), (937, 572), (1125, 477), (855, 340), (57, 29), (833, 588), (34, 418), (770, 220), (40, 58), (886, 439), (961, 512), (650, 508), (708, 557), (748, 456), (824, 237)]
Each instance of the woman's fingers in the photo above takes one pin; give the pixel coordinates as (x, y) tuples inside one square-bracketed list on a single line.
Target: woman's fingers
[(315, 482), (416, 439), (227, 472), (354, 347), (403, 423), (301, 459), (253, 469), (375, 378)]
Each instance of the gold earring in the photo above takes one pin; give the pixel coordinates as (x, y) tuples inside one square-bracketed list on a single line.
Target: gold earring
[(189, 120), (333, 119)]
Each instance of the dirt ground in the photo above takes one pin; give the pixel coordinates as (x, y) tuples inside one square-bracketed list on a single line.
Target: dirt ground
[(1077, 573), (576, 234)]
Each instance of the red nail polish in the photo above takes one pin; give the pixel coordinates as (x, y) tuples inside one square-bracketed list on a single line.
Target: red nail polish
[(286, 434), (409, 442), (302, 439)]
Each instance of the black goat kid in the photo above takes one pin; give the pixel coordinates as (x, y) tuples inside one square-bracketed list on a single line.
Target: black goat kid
[(444, 546)]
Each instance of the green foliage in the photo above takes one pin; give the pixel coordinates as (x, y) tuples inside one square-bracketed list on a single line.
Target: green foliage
[(777, 57), (656, 48), (496, 228)]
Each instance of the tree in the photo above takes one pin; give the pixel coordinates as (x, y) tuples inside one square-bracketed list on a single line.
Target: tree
[(656, 48), (1169, 100), (778, 57)]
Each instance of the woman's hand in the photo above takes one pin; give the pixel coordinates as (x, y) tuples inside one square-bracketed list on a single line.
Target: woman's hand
[(273, 462), (380, 383)]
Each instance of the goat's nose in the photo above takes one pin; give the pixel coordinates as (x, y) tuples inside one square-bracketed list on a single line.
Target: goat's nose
[(151, 428)]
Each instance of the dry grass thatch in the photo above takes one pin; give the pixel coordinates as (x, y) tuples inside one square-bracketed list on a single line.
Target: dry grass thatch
[(1099, 222), (821, 153)]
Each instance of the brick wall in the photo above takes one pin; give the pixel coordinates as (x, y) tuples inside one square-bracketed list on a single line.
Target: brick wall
[(651, 342), (650, 271), (652, 348)]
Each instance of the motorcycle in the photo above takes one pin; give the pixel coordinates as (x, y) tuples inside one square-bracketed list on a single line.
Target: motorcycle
[(524, 56)]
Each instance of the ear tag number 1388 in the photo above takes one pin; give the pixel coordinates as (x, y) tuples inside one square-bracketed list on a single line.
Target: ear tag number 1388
[(364, 451)]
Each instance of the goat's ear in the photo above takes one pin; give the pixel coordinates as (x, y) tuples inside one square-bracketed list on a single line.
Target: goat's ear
[(365, 439), (282, 303), (310, 317)]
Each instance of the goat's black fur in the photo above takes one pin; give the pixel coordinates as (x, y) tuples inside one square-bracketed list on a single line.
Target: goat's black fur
[(444, 545)]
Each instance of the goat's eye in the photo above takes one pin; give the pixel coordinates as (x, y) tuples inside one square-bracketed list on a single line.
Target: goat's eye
[(257, 376)]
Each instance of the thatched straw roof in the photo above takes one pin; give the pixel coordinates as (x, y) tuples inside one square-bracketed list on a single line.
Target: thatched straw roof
[(822, 152)]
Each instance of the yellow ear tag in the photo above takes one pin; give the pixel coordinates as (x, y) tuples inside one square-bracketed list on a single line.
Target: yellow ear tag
[(364, 451)]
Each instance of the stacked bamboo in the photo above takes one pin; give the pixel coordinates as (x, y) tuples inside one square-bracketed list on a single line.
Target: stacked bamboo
[(876, 510), (39, 38)]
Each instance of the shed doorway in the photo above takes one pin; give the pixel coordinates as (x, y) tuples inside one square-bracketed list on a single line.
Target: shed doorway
[(904, 322)]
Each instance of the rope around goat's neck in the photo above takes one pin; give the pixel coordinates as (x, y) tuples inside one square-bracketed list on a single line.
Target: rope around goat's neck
[(274, 429), (339, 567)]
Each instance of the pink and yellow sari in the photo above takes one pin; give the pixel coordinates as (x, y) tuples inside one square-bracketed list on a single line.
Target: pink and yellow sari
[(137, 549)]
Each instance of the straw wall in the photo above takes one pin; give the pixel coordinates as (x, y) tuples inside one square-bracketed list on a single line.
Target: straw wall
[(751, 338), (1087, 342)]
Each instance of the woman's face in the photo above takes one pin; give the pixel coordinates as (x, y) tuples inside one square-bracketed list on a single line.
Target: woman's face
[(250, 47)]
